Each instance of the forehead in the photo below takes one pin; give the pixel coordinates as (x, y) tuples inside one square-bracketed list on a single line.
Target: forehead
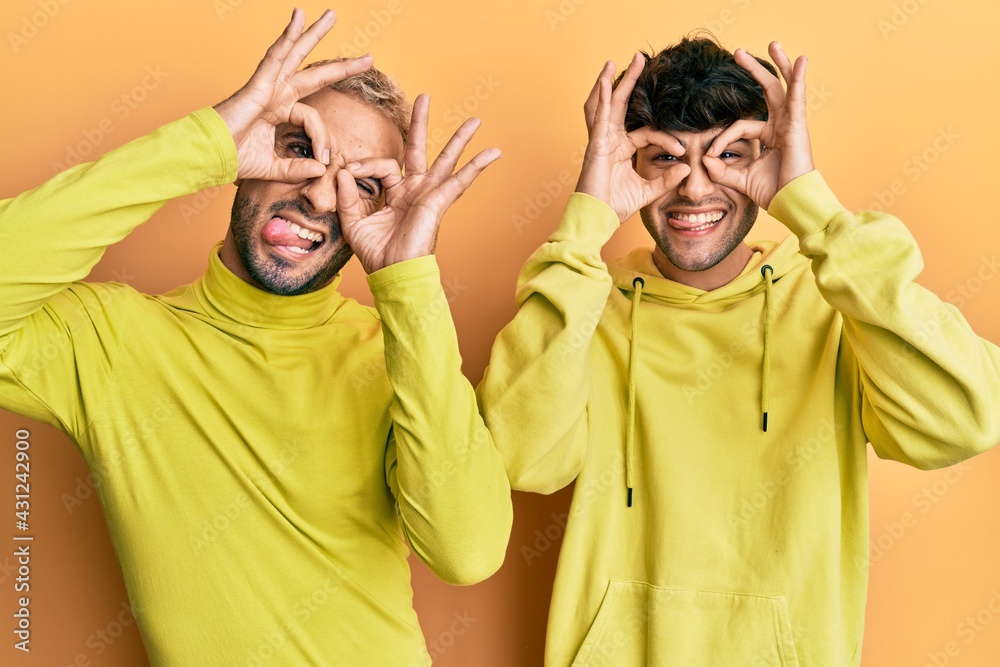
[(357, 130)]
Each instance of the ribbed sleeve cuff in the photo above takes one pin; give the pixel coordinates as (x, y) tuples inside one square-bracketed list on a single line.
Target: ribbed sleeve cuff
[(586, 220), (404, 277), (216, 130), (806, 205)]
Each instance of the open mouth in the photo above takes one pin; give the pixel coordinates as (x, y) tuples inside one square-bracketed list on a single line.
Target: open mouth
[(695, 222), (292, 237)]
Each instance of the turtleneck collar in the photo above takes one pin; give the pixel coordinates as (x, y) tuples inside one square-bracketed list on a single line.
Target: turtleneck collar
[(226, 296)]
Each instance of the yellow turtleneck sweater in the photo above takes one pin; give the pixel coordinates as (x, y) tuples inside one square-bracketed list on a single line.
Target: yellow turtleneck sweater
[(262, 460)]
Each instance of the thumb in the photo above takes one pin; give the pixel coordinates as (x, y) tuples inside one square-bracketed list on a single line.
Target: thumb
[(722, 174), (655, 188), (348, 201), (295, 170), (673, 177)]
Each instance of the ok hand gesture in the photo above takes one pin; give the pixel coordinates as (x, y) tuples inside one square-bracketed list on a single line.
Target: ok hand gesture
[(607, 172), (785, 152), (407, 226), (271, 98)]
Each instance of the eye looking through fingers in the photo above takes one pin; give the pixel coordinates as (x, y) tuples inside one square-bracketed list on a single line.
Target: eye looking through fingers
[(369, 188), (297, 144)]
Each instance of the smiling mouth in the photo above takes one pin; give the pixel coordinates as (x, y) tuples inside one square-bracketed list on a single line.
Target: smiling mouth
[(695, 222), (292, 237)]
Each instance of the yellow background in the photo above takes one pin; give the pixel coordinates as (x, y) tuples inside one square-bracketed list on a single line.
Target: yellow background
[(890, 79)]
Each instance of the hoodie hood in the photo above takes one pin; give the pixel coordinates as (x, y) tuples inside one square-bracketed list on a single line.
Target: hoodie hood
[(782, 256), (636, 274)]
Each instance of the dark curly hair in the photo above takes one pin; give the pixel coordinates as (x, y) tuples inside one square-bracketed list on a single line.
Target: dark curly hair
[(694, 86)]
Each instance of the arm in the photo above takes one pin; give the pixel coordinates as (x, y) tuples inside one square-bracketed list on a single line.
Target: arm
[(452, 495), (58, 336), (930, 386), (54, 235), (535, 391), (534, 394)]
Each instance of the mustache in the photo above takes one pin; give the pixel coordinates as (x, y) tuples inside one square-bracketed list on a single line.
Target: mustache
[(327, 221), (705, 203)]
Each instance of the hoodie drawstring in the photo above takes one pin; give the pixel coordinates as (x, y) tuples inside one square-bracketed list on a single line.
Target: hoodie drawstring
[(633, 352), (766, 370), (638, 283)]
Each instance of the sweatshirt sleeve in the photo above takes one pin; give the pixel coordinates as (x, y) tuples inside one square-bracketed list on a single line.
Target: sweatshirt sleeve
[(534, 394), (452, 494), (930, 387), (59, 336)]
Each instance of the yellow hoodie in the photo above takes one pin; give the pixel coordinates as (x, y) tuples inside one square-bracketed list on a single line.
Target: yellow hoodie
[(262, 460), (741, 546)]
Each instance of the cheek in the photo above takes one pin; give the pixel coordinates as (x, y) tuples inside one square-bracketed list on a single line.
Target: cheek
[(740, 200)]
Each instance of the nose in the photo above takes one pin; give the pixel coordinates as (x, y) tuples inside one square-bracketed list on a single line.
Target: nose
[(321, 192), (698, 184)]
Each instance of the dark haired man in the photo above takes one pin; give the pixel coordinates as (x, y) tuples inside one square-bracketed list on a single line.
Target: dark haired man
[(265, 448), (712, 399)]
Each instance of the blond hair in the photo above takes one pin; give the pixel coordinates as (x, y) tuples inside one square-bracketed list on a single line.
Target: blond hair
[(377, 89)]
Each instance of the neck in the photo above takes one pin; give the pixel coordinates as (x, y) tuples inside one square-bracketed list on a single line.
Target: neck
[(709, 279)]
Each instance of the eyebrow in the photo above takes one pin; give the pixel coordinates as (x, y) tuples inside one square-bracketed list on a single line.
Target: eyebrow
[(732, 143), (298, 134), (705, 146)]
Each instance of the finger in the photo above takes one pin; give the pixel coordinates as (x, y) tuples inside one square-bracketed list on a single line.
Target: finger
[(308, 81), (603, 116), (647, 136), (349, 208), (673, 176), (655, 188), (781, 60), (307, 42), (725, 175), (454, 187), (309, 119), (415, 159), (385, 169), (619, 100), (590, 106), (445, 163), (270, 67), (797, 90), (741, 129), (774, 94), (295, 170)]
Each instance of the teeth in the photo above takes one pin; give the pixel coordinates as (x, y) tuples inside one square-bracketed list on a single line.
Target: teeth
[(701, 218), (304, 233), (297, 249)]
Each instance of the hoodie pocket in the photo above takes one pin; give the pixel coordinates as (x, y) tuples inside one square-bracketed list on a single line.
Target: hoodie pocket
[(640, 624)]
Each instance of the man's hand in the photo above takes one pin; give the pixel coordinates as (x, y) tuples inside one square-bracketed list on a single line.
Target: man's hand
[(785, 152), (608, 173), (271, 98), (407, 226)]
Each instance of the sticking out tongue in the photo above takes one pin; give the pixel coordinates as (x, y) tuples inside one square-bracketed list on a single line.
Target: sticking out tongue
[(277, 232)]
